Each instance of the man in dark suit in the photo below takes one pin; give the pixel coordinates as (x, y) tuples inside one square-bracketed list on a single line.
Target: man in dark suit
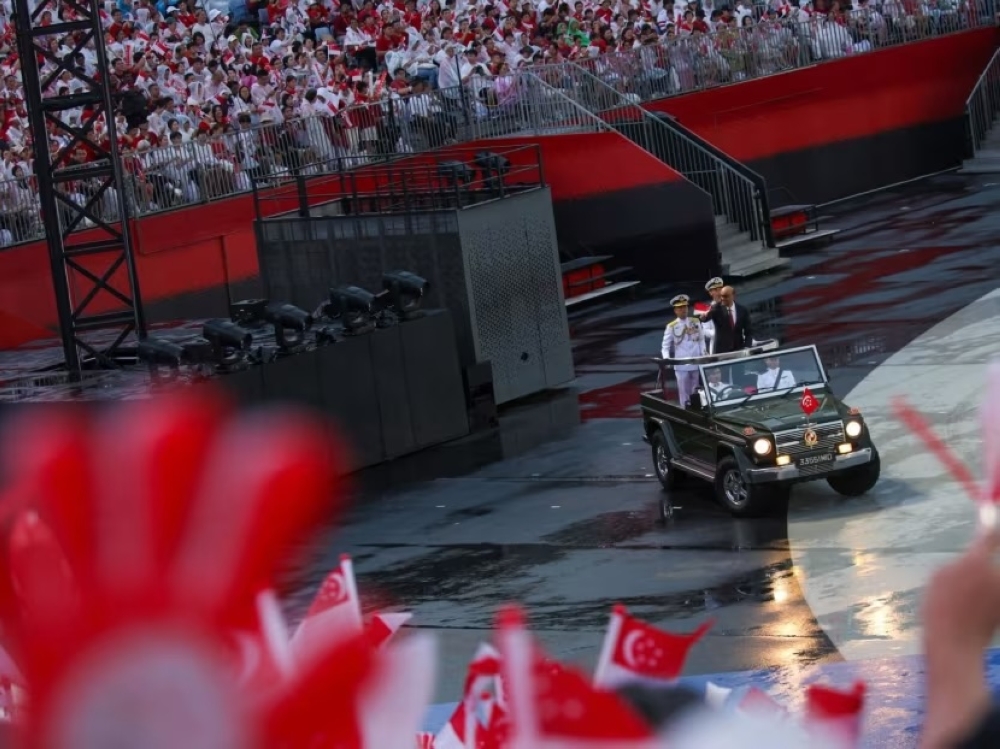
[(731, 321)]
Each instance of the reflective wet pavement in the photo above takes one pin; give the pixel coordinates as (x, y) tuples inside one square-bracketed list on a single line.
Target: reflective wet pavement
[(558, 509)]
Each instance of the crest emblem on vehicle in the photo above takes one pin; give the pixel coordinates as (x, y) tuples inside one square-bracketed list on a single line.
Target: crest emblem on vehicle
[(810, 438), (748, 431)]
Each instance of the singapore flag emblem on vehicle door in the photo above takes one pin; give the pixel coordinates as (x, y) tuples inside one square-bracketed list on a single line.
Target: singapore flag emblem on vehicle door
[(808, 403)]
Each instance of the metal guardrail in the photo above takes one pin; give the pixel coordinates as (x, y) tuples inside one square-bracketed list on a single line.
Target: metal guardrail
[(208, 169), (738, 193), (671, 66), (446, 179), (982, 106)]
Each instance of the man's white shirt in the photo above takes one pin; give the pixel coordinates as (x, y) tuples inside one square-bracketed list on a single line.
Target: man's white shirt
[(769, 380)]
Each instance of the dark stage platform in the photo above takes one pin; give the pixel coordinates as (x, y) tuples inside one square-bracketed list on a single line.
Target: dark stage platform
[(389, 392)]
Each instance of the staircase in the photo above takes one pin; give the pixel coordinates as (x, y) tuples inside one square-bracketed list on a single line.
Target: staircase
[(738, 194), (981, 110)]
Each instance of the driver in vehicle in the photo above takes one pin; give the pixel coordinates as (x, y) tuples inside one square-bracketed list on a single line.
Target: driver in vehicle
[(716, 387), (774, 377)]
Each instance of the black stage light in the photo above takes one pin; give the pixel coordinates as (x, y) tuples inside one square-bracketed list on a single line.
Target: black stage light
[(354, 306), (198, 350), (325, 335), (406, 291), (494, 168), (248, 312), (230, 343), (159, 353), (290, 325), (455, 173)]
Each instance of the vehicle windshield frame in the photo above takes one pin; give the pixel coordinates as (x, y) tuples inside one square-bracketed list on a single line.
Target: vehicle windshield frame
[(742, 397)]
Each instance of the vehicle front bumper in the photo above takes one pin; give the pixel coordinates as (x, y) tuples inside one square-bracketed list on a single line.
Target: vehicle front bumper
[(792, 472)]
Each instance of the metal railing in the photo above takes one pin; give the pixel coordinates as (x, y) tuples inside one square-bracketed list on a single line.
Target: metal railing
[(446, 179), (208, 169), (674, 65), (738, 193), (982, 106)]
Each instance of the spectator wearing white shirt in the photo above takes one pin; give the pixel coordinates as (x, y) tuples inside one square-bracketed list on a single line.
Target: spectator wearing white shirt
[(205, 28)]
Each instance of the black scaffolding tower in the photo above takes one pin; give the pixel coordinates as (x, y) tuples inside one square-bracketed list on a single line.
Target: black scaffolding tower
[(85, 210)]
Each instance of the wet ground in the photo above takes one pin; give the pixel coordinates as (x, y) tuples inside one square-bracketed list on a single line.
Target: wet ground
[(558, 508)]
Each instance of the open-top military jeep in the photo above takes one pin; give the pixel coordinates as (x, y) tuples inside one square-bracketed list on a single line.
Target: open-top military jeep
[(761, 420)]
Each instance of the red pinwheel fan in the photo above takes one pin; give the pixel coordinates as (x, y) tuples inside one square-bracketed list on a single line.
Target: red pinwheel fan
[(138, 543)]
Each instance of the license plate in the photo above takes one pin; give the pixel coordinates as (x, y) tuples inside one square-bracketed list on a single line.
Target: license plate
[(812, 460)]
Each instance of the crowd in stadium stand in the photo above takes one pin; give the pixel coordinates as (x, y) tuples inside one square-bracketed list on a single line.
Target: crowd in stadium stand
[(210, 97)]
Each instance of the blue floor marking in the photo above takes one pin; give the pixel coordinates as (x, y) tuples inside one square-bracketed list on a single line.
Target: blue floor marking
[(894, 705)]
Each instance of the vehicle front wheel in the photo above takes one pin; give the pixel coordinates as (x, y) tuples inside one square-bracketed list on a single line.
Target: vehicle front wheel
[(857, 481), (665, 473), (735, 494)]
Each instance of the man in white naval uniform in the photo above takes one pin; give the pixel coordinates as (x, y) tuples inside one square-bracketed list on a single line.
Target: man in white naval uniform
[(683, 339), (774, 377), (714, 288)]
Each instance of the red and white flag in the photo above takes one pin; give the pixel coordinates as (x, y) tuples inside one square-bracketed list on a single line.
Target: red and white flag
[(464, 729), (836, 714), (265, 655), (551, 705), (335, 613), (425, 740), (382, 627), (808, 403), (636, 651)]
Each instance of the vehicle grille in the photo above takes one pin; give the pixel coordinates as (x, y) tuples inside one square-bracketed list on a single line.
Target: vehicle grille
[(791, 442)]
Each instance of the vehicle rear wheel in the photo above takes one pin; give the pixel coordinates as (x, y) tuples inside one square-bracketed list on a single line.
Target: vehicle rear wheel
[(857, 481), (735, 494), (665, 473)]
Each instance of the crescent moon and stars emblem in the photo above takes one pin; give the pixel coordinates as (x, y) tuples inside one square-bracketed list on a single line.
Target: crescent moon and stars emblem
[(639, 651), (334, 591)]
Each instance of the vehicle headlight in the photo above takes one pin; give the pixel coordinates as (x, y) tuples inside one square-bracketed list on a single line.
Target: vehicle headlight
[(853, 429), (762, 446)]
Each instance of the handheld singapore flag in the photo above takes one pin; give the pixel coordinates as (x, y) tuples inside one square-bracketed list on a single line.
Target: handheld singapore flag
[(551, 705), (636, 651), (835, 713), (141, 541)]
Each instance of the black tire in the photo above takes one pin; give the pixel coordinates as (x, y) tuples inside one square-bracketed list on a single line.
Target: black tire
[(740, 499), (665, 473), (666, 509), (857, 481)]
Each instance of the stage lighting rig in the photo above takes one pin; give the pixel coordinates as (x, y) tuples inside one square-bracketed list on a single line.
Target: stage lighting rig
[(455, 173), (230, 344), (406, 293), (494, 168), (355, 307), (290, 325), (159, 353), (249, 312)]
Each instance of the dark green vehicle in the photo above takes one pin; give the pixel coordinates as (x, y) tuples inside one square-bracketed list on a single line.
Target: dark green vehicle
[(761, 420)]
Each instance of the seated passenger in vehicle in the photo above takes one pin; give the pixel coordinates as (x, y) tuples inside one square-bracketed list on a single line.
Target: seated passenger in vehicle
[(774, 377)]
